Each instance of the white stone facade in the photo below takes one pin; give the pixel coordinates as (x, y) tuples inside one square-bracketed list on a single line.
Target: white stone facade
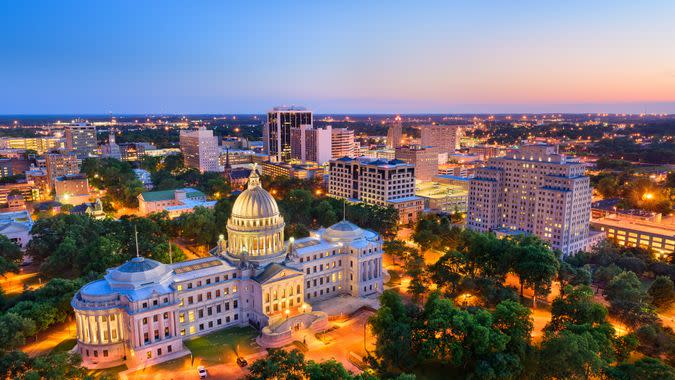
[(141, 312)]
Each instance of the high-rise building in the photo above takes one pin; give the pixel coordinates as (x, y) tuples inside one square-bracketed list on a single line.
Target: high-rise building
[(376, 181), (395, 134), (81, 139), (342, 143), (61, 164), (311, 144), (533, 190), (200, 150), (445, 138), (277, 130), (425, 160), (111, 149)]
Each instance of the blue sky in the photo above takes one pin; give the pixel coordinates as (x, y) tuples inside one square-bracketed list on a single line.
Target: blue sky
[(341, 56)]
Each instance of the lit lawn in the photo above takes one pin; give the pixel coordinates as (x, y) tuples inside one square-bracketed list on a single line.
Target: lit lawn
[(64, 346), (220, 347), (108, 373)]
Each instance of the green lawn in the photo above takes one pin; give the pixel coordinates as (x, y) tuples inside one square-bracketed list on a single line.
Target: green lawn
[(221, 346), (64, 346), (108, 373)]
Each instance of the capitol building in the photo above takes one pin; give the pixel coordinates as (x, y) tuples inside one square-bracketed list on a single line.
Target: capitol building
[(140, 313)]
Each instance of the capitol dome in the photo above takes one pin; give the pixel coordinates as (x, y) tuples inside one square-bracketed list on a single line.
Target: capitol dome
[(343, 231), (255, 202), (255, 230)]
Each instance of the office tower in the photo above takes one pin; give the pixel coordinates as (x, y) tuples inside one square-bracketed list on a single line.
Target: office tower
[(342, 143), (200, 150), (81, 139), (425, 160), (277, 130), (533, 190), (111, 149), (376, 181), (445, 138), (395, 134), (61, 164), (311, 144)]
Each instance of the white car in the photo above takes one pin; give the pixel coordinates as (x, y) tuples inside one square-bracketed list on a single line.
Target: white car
[(202, 372)]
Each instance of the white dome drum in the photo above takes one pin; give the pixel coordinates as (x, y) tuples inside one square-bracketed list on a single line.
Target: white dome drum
[(255, 230)]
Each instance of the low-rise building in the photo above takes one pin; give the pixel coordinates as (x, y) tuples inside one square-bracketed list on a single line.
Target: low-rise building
[(631, 232), (440, 197), (72, 189), (16, 226), (175, 202)]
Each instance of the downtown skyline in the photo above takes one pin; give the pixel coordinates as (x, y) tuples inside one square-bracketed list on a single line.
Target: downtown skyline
[(484, 57)]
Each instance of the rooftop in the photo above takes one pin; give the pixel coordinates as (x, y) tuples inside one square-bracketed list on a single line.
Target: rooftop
[(664, 229), (166, 195)]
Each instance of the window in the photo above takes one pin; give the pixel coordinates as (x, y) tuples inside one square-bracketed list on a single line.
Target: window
[(181, 317), (148, 354), (105, 353), (191, 316), (234, 304), (145, 321)]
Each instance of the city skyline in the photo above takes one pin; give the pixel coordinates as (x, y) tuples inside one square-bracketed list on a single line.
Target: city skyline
[(484, 57)]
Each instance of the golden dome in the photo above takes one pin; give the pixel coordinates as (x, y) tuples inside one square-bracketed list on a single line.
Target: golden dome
[(255, 202)]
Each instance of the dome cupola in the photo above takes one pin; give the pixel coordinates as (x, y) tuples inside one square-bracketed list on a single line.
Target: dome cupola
[(255, 230)]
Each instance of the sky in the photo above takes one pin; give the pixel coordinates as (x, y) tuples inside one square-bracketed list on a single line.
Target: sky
[(478, 56)]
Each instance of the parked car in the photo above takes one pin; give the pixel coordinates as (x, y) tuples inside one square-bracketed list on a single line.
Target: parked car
[(241, 362), (202, 372)]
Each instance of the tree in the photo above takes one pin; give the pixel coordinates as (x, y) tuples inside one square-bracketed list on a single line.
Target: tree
[(661, 291), (297, 206), (327, 370), (14, 330), (643, 369), (397, 249), (393, 326), (514, 320), (575, 306), (279, 364), (416, 269), (199, 226), (627, 300), (324, 214), (535, 265), (573, 356), (10, 256), (656, 340)]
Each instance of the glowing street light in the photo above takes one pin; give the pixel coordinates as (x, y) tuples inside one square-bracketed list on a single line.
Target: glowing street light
[(647, 196)]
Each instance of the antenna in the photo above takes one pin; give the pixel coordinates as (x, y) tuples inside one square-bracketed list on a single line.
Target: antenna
[(136, 234)]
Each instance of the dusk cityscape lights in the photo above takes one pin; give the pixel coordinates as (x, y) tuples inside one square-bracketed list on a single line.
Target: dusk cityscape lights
[(337, 190)]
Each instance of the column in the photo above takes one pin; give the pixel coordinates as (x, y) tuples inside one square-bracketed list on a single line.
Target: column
[(78, 327), (121, 331), (151, 326), (109, 331), (172, 326), (161, 326), (141, 341), (92, 336)]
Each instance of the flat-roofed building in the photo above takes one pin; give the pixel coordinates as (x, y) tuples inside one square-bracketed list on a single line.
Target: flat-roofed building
[(61, 164), (533, 190), (441, 197), (386, 183), (200, 150), (81, 140), (342, 143), (72, 189), (16, 226), (445, 138), (311, 144), (175, 202), (277, 130), (631, 232), (425, 159)]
